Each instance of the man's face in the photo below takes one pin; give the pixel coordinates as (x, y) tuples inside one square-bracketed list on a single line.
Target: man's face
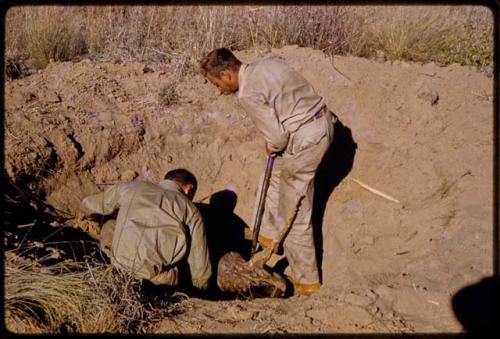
[(227, 83), (189, 190)]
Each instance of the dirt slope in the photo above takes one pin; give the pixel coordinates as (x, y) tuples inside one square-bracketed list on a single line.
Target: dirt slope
[(419, 133)]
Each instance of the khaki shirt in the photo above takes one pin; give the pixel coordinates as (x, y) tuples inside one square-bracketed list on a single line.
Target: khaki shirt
[(156, 225), (277, 98)]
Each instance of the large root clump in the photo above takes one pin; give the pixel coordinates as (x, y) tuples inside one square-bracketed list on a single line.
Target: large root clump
[(235, 275)]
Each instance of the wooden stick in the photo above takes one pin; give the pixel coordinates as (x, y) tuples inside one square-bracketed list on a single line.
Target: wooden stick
[(374, 191)]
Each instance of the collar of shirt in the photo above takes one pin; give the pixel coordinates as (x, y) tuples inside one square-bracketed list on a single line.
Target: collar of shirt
[(171, 185), (241, 77)]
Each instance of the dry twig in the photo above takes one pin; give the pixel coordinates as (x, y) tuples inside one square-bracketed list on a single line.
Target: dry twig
[(374, 191)]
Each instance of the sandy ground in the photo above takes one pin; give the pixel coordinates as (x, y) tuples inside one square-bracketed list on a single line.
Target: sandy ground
[(422, 134)]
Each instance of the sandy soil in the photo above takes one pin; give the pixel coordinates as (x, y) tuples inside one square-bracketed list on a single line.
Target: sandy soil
[(422, 134)]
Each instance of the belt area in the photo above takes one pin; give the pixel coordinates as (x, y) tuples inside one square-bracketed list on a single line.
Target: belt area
[(319, 114)]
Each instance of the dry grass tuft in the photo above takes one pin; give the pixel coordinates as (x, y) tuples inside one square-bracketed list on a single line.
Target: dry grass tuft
[(52, 33), (77, 297), (441, 34), (56, 298), (182, 34)]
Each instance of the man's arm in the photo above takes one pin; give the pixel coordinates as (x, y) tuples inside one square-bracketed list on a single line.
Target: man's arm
[(198, 258), (101, 203), (265, 119)]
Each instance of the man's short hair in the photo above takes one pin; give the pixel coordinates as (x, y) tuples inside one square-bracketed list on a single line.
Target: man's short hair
[(218, 60), (182, 176)]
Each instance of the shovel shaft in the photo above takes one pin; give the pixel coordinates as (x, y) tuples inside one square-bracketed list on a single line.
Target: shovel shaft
[(260, 206)]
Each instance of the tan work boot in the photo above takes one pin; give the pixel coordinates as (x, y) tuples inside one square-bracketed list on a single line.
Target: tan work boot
[(248, 234), (303, 289)]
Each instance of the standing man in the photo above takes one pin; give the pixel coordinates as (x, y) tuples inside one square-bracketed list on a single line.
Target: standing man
[(158, 229), (298, 129)]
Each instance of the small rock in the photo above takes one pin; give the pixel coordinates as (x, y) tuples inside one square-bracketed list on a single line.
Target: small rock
[(380, 56), (322, 314), (29, 96), (238, 313), (429, 95), (51, 97), (384, 291), (370, 294), (374, 309), (429, 69), (245, 315), (147, 69), (186, 138)]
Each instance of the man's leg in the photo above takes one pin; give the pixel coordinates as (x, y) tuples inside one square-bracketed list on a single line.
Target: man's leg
[(297, 181), (299, 243), (169, 274)]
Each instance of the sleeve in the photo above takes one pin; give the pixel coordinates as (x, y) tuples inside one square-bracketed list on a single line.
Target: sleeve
[(265, 119), (198, 258), (101, 203)]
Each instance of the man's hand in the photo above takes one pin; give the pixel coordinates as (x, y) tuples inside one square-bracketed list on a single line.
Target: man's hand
[(128, 175), (269, 152)]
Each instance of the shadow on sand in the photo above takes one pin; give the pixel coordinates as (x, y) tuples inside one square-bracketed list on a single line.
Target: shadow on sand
[(477, 306), (27, 227), (334, 167), (224, 232)]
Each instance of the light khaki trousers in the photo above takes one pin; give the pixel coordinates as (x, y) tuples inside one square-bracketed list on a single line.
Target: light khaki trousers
[(166, 277), (292, 179)]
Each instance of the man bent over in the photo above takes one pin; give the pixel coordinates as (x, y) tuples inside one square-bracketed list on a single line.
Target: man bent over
[(298, 129)]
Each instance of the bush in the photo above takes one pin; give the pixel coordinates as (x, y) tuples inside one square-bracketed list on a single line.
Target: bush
[(52, 33), (441, 34)]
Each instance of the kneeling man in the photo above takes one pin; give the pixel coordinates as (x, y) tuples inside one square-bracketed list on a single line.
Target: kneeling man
[(157, 230)]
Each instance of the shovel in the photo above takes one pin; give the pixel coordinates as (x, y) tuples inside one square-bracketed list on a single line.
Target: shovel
[(238, 276), (260, 206)]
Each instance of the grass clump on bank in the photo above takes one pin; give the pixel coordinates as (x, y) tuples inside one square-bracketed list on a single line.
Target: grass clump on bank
[(75, 297), (442, 34), (50, 33)]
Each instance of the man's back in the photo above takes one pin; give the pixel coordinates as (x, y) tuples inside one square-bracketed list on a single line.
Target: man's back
[(284, 90)]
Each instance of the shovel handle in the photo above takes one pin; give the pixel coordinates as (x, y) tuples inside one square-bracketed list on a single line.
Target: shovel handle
[(262, 198)]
